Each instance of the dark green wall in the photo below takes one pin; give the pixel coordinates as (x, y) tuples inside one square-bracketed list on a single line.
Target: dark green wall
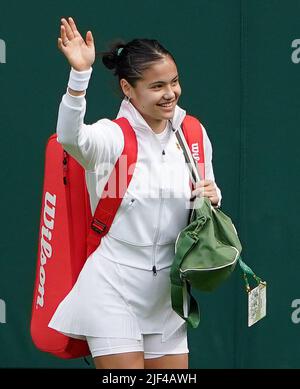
[(238, 77)]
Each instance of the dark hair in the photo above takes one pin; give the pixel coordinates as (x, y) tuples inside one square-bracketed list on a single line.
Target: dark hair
[(135, 57)]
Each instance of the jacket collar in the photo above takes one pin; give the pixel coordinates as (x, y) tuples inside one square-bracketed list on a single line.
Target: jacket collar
[(137, 121)]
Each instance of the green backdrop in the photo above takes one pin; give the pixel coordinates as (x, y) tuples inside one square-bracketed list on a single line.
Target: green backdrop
[(240, 77)]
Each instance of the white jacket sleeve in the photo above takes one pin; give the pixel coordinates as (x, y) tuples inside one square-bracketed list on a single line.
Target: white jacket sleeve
[(89, 144), (209, 172)]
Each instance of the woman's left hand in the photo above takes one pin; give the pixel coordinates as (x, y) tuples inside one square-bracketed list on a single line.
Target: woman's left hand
[(207, 188)]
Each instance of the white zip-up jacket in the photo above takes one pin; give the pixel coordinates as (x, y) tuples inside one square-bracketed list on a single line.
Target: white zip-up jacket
[(156, 205)]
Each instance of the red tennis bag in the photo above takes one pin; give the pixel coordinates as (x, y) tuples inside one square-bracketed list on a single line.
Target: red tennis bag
[(69, 233)]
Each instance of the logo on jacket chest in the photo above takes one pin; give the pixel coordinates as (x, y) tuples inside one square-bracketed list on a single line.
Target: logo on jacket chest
[(178, 145)]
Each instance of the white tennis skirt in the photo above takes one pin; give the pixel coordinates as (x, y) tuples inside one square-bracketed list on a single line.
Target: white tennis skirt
[(118, 301)]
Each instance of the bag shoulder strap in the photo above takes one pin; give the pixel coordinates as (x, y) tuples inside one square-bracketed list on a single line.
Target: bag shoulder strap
[(108, 206), (193, 134)]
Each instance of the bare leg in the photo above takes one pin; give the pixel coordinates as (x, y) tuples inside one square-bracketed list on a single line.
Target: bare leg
[(177, 361), (131, 360)]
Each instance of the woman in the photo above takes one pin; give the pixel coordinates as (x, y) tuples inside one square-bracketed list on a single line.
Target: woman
[(121, 301)]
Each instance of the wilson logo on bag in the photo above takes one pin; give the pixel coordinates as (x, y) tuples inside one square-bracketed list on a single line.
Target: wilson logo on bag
[(48, 212)]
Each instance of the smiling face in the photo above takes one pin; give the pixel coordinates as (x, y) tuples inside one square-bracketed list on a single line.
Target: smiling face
[(156, 94)]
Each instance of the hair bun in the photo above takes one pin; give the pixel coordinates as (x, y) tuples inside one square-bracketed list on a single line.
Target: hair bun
[(110, 60)]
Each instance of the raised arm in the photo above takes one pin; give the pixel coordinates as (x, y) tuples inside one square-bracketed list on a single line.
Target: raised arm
[(80, 53), (89, 144)]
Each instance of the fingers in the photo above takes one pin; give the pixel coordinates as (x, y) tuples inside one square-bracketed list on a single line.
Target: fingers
[(63, 38), (204, 183), (201, 192), (63, 34), (214, 200), (206, 188), (73, 27), (198, 192), (205, 193), (68, 30), (59, 44), (89, 39)]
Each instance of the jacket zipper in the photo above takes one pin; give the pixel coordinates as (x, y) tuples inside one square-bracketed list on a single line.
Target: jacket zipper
[(161, 200), (156, 235)]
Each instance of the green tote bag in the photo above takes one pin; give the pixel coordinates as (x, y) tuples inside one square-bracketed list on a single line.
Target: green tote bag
[(206, 251)]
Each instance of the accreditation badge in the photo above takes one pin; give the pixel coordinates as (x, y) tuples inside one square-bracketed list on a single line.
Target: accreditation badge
[(257, 303)]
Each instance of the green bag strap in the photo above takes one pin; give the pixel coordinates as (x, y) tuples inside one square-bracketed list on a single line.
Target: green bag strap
[(248, 271), (177, 294), (179, 286)]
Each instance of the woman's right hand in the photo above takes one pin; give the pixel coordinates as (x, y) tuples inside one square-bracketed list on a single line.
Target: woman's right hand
[(79, 52)]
